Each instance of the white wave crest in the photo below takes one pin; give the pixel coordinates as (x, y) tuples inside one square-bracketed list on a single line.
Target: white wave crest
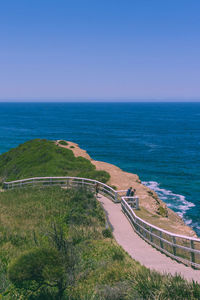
[(174, 201)]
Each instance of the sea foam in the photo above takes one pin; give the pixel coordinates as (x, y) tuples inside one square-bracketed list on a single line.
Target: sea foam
[(176, 202)]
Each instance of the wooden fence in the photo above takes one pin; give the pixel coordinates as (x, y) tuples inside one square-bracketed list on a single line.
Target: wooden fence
[(181, 248)]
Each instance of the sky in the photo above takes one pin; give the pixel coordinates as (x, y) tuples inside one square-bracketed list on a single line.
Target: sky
[(130, 50)]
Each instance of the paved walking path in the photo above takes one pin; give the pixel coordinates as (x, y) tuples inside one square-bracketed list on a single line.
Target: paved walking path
[(138, 249)]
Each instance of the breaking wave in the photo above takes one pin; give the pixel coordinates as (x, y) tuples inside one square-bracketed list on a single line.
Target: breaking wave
[(176, 202)]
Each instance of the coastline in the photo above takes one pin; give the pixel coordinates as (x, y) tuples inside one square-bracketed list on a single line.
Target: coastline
[(152, 209)]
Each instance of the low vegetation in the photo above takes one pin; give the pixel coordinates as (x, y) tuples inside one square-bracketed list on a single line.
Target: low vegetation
[(44, 158), (64, 143), (56, 243)]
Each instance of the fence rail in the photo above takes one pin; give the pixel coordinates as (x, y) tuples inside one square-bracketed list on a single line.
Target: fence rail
[(65, 182), (181, 248)]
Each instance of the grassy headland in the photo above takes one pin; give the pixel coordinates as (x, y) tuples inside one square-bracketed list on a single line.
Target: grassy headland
[(44, 158), (55, 243)]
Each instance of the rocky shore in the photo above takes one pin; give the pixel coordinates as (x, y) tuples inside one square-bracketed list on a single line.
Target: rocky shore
[(152, 209)]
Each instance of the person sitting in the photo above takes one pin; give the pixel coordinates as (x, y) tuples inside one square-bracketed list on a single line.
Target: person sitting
[(132, 193), (128, 193)]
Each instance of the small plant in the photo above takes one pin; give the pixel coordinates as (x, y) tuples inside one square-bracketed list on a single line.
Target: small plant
[(107, 233), (71, 147), (162, 211), (64, 143), (113, 187)]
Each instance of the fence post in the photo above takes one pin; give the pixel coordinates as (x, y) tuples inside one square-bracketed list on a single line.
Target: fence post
[(116, 196), (174, 247), (192, 253), (137, 203), (151, 236), (161, 242)]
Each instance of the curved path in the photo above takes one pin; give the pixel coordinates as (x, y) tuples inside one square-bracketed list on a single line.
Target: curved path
[(138, 249)]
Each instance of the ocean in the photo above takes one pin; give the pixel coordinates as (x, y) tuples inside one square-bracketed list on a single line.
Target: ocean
[(158, 141)]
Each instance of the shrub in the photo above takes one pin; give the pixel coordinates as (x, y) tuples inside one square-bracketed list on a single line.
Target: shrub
[(162, 211), (101, 176), (36, 268), (64, 143), (107, 233)]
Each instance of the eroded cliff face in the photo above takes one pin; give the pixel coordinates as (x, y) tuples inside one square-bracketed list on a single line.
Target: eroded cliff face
[(153, 210)]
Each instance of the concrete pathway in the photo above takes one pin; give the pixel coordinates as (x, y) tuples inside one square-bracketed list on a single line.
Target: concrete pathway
[(138, 249)]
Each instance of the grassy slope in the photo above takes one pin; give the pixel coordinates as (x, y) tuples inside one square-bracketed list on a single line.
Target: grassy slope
[(104, 270), (43, 158)]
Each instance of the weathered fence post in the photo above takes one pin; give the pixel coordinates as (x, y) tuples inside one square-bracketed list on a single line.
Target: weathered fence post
[(192, 253), (174, 247), (161, 242), (136, 203), (151, 236), (116, 197)]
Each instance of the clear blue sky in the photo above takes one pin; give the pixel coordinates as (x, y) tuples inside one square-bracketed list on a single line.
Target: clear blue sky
[(100, 49)]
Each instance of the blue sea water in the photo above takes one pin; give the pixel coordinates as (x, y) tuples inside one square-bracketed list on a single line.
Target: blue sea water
[(158, 141)]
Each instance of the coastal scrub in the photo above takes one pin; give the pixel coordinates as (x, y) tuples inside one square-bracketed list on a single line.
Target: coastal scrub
[(44, 158)]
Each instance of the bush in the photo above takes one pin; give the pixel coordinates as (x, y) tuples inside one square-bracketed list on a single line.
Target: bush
[(162, 211), (64, 143), (36, 268), (107, 233), (101, 176)]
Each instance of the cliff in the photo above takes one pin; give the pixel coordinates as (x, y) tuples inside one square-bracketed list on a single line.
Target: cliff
[(152, 209)]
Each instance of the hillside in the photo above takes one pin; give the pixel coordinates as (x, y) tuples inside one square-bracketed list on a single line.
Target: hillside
[(57, 244), (43, 158)]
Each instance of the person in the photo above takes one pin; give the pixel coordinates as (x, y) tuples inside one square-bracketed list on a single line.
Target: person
[(129, 192), (132, 193), (97, 188)]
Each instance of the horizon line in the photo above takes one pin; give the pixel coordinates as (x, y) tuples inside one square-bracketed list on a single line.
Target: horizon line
[(95, 100), (103, 102)]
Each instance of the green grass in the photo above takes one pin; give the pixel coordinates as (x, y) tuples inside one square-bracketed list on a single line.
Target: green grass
[(37, 224), (64, 143), (44, 158)]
